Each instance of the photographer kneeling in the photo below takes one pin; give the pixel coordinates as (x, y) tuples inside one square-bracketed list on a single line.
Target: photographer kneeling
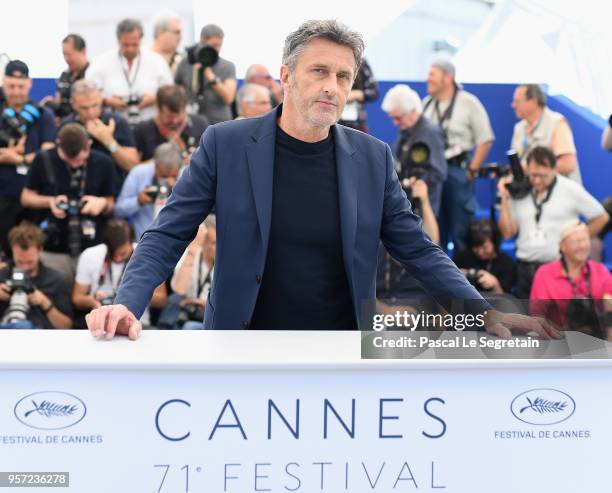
[(32, 295), (101, 268), (487, 269), (148, 186), (76, 186), (570, 291), (191, 281)]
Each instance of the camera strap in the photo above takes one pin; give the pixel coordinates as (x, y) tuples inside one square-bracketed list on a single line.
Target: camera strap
[(130, 81), (202, 283), (446, 116), (48, 166), (539, 205)]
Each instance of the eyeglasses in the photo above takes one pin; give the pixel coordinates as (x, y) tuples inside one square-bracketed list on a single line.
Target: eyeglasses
[(397, 118)]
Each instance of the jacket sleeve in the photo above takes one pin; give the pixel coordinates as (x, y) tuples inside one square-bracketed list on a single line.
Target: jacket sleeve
[(404, 239), (164, 242)]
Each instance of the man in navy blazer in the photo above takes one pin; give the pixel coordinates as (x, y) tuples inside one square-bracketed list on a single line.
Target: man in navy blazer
[(301, 206)]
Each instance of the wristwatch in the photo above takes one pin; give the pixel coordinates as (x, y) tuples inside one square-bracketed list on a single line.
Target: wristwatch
[(215, 81), (114, 147)]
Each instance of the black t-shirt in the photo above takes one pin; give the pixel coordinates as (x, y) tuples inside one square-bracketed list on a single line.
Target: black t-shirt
[(304, 285), (54, 285), (501, 267), (148, 137), (43, 131), (98, 180)]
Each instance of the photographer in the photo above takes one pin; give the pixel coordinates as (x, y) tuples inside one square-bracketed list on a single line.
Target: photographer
[(30, 290), (404, 107), (148, 186), (537, 217), (101, 268), (75, 186), (170, 124), (24, 129), (541, 126), (167, 32), (569, 291), (109, 131), (486, 268), (252, 100), (364, 90), (129, 79), (191, 282), (208, 79), (75, 55)]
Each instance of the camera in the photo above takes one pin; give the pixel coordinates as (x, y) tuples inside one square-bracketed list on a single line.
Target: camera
[(203, 54), (162, 190), (133, 111), (190, 312), (520, 186), (581, 315), (20, 286), (472, 276), (493, 170), (414, 162), (15, 125), (78, 228), (108, 300)]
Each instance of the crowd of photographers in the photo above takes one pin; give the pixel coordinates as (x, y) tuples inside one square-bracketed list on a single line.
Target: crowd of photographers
[(83, 174)]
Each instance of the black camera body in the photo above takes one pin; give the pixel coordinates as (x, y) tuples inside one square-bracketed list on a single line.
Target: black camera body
[(108, 300), (15, 125), (19, 281), (20, 286), (493, 170), (161, 189), (190, 312), (203, 54), (72, 207), (472, 276)]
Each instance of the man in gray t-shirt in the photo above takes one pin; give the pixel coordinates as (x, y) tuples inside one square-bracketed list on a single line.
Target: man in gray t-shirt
[(211, 90), (538, 217), (468, 137)]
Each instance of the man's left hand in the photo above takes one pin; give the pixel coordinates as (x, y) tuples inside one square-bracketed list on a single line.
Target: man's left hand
[(94, 206), (37, 298), (505, 325)]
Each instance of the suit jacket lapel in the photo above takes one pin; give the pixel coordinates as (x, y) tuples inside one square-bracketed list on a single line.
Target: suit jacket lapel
[(348, 188), (260, 156)]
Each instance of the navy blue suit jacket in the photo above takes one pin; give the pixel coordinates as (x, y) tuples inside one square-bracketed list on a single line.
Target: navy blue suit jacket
[(232, 170)]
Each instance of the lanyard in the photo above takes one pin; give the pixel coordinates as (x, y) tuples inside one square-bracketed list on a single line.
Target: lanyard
[(587, 279), (77, 174), (202, 283), (107, 270), (126, 74), (538, 205)]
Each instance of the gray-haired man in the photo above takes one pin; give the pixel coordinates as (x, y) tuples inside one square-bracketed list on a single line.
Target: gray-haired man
[(301, 205), (468, 137), (253, 100)]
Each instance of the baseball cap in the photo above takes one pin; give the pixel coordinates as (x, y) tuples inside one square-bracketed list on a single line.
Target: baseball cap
[(17, 68)]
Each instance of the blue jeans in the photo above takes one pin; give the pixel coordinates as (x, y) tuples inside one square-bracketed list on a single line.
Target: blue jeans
[(458, 208)]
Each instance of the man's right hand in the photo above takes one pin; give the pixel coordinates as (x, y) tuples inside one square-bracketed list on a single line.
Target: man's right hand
[(144, 198), (55, 210), (501, 186), (5, 292), (113, 319)]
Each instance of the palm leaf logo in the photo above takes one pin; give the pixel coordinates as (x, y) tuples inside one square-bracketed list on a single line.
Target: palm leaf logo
[(543, 406), (51, 409)]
